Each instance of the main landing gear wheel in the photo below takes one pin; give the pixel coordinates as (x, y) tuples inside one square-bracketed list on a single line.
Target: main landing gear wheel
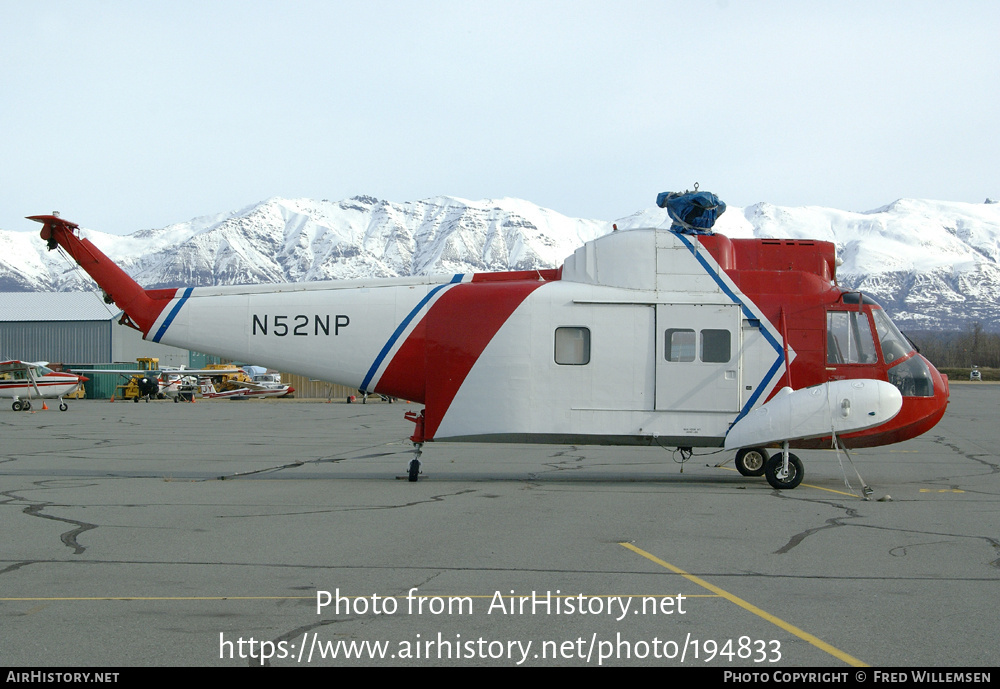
[(750, 461), (17, 406), (63, 406), (795, 472), (414, 470)]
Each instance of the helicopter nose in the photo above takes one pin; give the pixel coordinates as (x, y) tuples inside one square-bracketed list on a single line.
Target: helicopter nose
[(925, 412), (943, 394)]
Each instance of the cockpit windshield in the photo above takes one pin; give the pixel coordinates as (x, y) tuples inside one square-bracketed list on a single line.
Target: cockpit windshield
[(894, 345), (912, 377)]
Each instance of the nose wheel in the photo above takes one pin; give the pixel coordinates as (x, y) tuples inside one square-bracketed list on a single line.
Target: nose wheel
[(782, 474)]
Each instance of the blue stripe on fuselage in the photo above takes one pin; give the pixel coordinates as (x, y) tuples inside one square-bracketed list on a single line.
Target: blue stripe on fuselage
[(173, 312), (387, 347), (749, 314)]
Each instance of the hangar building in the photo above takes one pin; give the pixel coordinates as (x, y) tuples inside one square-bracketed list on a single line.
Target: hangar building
[(77, 328)]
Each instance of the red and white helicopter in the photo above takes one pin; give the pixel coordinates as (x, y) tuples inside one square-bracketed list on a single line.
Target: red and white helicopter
[(24, 380), (641, 337)]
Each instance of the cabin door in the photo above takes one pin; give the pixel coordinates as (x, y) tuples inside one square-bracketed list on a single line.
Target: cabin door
[(698, 357)]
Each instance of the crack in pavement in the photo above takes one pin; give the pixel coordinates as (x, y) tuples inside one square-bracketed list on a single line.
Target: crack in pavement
[(318, 460), (830, 524), (69, 538), (853, 514), (301, 631), (570, 459), (432, 498), (994, 467), (17, 566)]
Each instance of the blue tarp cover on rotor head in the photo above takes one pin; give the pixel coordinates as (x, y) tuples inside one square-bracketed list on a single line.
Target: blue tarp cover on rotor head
[(692, 212)]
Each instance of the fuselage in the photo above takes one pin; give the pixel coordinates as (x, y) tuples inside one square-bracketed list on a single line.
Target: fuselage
[(40, 382), (643, 337)]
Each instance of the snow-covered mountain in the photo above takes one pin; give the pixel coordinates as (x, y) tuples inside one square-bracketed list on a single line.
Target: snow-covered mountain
[(932, 264)]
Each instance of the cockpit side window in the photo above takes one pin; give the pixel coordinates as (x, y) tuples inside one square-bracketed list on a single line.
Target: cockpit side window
[(849, 338), (894, 345)]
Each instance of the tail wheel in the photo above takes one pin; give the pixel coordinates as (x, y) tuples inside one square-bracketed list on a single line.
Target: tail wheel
[(750, 461), (795, 472)]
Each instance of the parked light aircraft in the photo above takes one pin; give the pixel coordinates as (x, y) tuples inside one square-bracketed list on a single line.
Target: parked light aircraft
[(147, 383), (24, 380), (641, 337), (184, 383), (262, 386)]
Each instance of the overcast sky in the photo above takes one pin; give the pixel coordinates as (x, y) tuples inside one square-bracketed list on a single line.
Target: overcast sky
[(132, 115)]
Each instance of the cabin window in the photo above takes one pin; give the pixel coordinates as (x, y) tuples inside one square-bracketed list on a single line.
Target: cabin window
[(849, 338), (573, 346), (716, 346), (679, 345)]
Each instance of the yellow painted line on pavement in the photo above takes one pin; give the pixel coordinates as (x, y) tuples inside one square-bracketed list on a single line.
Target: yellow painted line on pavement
[(50, 599), (792, 629), (829, 490), (86, 598), (810, 485)]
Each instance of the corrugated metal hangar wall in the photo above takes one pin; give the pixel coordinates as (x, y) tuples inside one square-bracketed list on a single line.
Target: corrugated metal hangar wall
[(78, 329)]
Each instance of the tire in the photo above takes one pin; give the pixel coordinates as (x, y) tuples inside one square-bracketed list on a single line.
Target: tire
[(26, 405), (63, 406), (750, 461), (795, 472), (414, 471), (17, 406)]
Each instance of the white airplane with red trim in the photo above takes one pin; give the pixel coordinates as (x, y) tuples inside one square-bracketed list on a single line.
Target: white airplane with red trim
[(642, 337), (23, 381)]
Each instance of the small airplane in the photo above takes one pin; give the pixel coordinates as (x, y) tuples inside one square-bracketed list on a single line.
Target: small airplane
[(152, 382), (24, 380), (261, 386), (677, 337)]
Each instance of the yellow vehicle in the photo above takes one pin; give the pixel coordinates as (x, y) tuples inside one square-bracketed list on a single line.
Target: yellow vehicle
[(230, 377), (141, 385)]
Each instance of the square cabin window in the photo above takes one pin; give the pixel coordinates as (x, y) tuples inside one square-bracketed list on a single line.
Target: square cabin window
[(573, 346), (679, 345), (715, 346)]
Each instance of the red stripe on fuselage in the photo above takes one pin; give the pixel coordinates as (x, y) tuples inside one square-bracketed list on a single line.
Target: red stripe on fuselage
[(435, 359)]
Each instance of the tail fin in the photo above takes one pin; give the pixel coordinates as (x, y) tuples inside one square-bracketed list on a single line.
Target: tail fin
[(141, 307)]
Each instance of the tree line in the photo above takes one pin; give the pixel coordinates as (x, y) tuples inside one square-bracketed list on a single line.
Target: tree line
[(973, 346)]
